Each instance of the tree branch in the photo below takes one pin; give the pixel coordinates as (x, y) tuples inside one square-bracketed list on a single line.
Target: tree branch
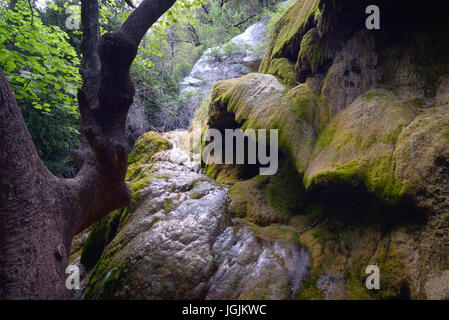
[(148, 12), (39, 213), (241, 22), (206, 9), (104, 101)]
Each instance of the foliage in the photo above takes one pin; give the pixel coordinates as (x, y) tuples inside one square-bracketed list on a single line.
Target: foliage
[(40, 57), (274, 14), (175, 43), (228, 50), (42, 70), (56, 13)]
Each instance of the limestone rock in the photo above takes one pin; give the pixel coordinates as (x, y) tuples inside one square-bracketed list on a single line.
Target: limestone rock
[(178, 241)]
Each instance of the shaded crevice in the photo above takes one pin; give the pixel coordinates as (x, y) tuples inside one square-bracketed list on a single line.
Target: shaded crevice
[(355, 205)]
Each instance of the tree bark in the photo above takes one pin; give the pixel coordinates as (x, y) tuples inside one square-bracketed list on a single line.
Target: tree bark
[(40, 213)]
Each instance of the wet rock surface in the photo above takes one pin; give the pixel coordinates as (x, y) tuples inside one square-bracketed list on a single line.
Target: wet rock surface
[(180, 242)]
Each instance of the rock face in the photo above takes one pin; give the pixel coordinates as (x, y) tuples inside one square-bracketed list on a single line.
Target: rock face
[(242, 55), (363, 119), (260, 101), (178, 240)]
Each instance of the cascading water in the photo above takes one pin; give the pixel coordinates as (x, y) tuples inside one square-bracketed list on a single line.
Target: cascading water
[(180, 241)]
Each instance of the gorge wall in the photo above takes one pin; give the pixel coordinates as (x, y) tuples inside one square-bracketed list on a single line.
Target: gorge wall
[(363, 121)]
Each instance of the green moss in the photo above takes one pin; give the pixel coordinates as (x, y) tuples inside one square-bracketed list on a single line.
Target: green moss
[(101, 235), (359, 150), (285, 70), (261, 102), (274, 232), (225, 174), (326, 136), (163, 176), (309, 291), (445, 134), (313, 52), (168, 205), (139, 163), (249, 202), (105, 279), (307, 104), (138, 177), (356, 286), (146, 146), (285, 190), (139, 184), (319, 235), (340, 175), (309, 216), (393, 277), (269, 199), (286, 37), (351, 149), (371, 95), (194, 195)]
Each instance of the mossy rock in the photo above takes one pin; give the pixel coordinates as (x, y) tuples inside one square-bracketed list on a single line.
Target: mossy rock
[(144, 149), (313, 53), (308, 105), (362, 146), (358, 145), (355, 148), (309, 291), (422, 157), (394, 281), (140, 164), (285, 70), (286, 38), (137, 178), (225, 173), (387, 145), (101, 235), (260, 101), (352, 73), (264, 200), (105, 280)]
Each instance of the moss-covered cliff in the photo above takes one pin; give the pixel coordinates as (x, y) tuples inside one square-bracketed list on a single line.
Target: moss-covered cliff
[(363, 120), (177, 240)]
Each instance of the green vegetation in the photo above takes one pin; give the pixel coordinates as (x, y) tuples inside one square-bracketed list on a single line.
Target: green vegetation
[(276, 109), (104, 231), (284, 38), (285, 70), (264, 200), (365, 147), (101, 235), (42, 69), (169, 52), (309, 291), (41, 58)]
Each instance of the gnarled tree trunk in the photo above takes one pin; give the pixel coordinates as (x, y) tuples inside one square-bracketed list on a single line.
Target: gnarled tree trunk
[(40, 213)]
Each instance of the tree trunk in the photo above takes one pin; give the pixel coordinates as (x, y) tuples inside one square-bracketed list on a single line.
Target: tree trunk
[(40, 213)]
